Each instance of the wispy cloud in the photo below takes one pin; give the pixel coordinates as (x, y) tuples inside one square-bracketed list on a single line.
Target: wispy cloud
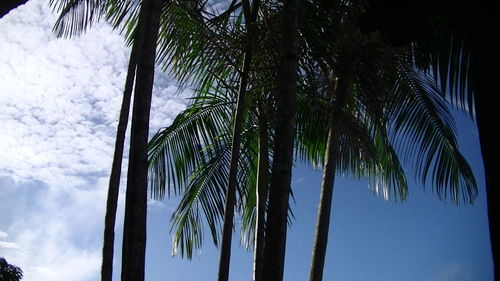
[(453, 272), (8, 245)]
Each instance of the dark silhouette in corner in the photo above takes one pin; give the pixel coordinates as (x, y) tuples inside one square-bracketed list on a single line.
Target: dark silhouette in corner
[(7, 5)]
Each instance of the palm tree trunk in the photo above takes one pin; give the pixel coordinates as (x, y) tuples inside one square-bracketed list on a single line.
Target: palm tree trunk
[(329, 168), (116, 168), (262, 188), (276, 224), (8, 5), (227, 229), (134, 228)]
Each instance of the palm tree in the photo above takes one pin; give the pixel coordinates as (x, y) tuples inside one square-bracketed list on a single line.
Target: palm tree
[(456, 169), (114, 178), (192, 155), (416, 99), (340, 92), (250, 15), (142, 62), (276, 224), (355, 142), (9, 272), (161, 172), (452, 41), (134, 228)]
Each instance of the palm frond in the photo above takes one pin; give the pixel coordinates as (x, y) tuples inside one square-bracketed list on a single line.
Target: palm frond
[(366, 153), (76, 16), (193, 49), (446, 56), (425, 129), (206, 189), (176, 151)]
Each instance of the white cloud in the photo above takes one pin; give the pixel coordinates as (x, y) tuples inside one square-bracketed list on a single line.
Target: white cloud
[(59, 234), (453, 272), (59, 105), (8, 245)]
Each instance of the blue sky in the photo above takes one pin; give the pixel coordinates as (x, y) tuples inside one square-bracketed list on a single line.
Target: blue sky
[(59, 102), (422, 239)]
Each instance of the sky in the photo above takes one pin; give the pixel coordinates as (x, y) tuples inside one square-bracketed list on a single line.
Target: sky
[(59, 106)]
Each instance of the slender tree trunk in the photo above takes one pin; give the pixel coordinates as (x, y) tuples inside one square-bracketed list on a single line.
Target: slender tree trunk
[(8, 5), (329, 168), (262, 188), (276, 224), (134, 228), (227, 229), (116, 168)]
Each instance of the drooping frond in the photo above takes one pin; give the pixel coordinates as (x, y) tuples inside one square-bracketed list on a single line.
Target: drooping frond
[(423, 131), (205, 189), (366, 153), (446, 56), (176, 151)]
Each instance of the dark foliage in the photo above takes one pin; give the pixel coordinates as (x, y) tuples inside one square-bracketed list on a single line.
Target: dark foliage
[(9, 272)]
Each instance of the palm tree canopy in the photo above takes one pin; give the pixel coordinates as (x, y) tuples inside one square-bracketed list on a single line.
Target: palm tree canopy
[(404, 102)]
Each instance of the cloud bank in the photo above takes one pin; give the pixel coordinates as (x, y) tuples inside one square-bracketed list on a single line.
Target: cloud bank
[(59, 106)]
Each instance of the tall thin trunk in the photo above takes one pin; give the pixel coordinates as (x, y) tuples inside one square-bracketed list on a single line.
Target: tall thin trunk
[(8, 5), (116, 168), (227, 229), (329, 169), (134, 228), (276, 224), (262, 188)]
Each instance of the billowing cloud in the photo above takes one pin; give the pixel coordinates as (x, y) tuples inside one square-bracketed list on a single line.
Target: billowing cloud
[(59, 106)]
